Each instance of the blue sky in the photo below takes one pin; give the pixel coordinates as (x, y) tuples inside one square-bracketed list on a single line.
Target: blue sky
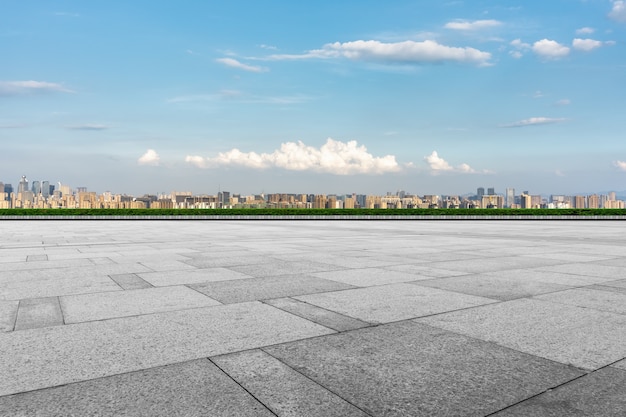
[(428, 96)]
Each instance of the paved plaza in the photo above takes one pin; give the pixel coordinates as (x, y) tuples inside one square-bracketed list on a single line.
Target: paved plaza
[(312, 318)]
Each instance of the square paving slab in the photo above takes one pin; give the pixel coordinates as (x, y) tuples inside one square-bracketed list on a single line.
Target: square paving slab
[(107, 305), (387, 303), (408, 369), (268, 287), (195, 388), (583, 337), (601, 393), (53, 356)]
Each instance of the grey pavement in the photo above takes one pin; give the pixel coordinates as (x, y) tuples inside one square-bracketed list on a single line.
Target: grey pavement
[(312, 318)]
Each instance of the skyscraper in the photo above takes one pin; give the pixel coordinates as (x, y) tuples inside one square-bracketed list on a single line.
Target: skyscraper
[(36, 187), (23, 185), (480, 192), (510, 197), (45, 189), (491, 191)]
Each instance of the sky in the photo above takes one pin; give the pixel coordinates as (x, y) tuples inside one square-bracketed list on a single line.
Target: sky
[(334, 97)]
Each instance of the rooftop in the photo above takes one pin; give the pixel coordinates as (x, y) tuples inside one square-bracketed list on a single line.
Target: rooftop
[(313, 318)]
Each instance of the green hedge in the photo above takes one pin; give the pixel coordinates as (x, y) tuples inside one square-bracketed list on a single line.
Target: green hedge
[(312, 212)]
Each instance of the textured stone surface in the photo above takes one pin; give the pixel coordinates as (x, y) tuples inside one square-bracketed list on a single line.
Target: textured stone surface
[(394, 366), (38, 312), (107, 305), (497, 285), (614, 302), (282, 389), (130, 281), (161, 279), (366, 277), (59, 355), (387, 303), (601, 393), (8, 313), (410, 369), (269, 287), (317, 315), (195, 388), (583, 337)]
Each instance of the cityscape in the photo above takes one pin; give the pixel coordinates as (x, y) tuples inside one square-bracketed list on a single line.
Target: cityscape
[(44, 195)]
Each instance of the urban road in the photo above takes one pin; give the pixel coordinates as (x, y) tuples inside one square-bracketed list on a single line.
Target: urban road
[(313, 318)]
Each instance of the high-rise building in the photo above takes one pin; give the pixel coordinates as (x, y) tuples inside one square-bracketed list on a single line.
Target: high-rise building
[(23, 185), (510, 197), (491, 191), (580, 201), (36, 187), (593, 201), (45, 189), (480, 192)]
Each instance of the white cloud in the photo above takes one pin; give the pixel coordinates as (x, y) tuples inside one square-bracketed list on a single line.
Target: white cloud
[(439, 165), (475, 25), (395, 52), (535, 121), (519, 48), (621, 165), (11, 88), (233, 63), (563, 102), (585, 31), (92, 126), (334, 157), (149, 158), (538, 94), (559, 173), (618, 12), (586, 44), (550, 49)]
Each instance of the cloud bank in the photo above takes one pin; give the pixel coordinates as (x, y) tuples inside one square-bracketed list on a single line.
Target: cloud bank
[(550, 49), (334, 157), (439, 165), (427, 51), (475, 25), (621, 165), (14, 88), (618, 12), (233, 63), (149, 158), (535, 121)]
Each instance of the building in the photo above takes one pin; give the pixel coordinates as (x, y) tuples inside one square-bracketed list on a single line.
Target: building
[(491, 191), (510, 197)]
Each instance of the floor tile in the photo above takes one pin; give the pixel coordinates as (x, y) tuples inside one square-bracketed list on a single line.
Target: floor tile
[(282, 389), (614, 302), (408, 369), (108, 305), (387, 303), (167, 278), (8, 313), (601, 393), (241, 290), (84, 351), (317, 314), (582, 337), (195, 388), (34, 313)]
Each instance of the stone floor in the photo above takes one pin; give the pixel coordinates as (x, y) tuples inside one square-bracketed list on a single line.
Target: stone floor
[(312, 318)]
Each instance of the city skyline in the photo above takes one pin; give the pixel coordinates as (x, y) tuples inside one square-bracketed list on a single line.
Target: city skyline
[(437, 97)]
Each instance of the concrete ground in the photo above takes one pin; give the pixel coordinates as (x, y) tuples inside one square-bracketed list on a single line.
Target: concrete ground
[(312, 318)]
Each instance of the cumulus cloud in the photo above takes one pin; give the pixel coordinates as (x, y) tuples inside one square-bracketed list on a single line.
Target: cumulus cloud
[(395, 52), (618, 12), (88, 127), (520, 47), (439, 165), (13, 88), (475, 25), (621, 165), (535, 121), (334, 157), (585, 31), (233, 63), (550, 49), (586, 44), (149, 158)]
